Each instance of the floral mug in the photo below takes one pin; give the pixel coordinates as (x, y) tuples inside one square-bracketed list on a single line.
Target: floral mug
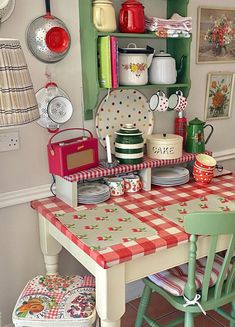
[(132, 184), (116, 185)]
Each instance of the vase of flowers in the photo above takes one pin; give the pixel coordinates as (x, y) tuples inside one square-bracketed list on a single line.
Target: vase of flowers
[(220, 34)]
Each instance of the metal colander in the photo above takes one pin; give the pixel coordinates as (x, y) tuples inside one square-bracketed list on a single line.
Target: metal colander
[(6, 10), (36, 37)]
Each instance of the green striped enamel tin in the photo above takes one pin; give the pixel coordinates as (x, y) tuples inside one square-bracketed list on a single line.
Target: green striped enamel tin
[(129, 145)]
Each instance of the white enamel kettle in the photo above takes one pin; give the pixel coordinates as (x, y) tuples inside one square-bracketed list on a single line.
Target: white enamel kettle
[(163, 69)]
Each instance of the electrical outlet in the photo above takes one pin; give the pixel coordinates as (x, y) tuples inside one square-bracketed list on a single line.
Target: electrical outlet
[(9, 141)]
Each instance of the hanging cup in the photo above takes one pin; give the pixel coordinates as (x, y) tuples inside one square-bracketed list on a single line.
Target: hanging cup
[(177, 101), (158, 102)]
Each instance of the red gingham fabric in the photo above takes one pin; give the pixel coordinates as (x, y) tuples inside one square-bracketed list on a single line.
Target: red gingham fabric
[(101, 171), (140, 205)]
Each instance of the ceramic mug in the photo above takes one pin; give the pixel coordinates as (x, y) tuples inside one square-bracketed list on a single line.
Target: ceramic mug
[(116, 185), (132, 184), (177, 101), (158, 102)]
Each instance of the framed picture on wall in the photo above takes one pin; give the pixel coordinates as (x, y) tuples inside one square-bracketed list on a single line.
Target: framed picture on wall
[(219, 95), (216, 35)]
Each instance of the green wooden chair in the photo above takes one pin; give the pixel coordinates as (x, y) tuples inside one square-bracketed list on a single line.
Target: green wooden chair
[(199, 296)]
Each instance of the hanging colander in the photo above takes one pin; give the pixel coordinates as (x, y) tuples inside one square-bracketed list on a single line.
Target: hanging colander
[(48, 38)]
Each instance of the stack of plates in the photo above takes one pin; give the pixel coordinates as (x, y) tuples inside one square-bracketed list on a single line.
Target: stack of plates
[(93, 192), (170, 176)]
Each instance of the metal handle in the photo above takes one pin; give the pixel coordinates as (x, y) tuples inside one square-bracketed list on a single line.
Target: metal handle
[(48, 7), (65, 130), (212, 130)]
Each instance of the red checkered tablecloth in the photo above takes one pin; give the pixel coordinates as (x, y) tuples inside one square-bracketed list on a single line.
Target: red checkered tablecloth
[(140, 205)]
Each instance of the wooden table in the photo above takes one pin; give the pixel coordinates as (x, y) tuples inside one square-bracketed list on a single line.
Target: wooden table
[(130, 260)]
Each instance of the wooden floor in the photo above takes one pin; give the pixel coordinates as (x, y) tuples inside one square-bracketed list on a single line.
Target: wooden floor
[(163, 312)]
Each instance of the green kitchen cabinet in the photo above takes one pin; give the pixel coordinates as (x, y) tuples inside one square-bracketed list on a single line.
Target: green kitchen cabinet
[(179, 48)]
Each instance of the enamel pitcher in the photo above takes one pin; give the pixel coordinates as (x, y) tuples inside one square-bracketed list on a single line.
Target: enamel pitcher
[(195, 141)]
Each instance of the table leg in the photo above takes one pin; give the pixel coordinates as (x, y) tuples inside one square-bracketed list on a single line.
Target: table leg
[(110, 295), (49, 246)]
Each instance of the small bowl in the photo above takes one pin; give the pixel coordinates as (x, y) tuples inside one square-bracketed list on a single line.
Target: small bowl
[(202, 172), (202, 168), (202, 179), (205, 161)]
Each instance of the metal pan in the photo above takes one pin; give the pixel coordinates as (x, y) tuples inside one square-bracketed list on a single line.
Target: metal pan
[(47, 37)]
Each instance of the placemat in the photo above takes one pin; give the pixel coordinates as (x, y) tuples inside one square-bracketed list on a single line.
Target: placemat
[(176, 212), (101, 227)]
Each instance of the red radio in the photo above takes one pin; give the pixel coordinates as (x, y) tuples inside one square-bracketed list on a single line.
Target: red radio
[(70, 156)]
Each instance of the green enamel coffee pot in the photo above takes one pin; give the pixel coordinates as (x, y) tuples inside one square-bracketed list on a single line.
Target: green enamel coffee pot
[(195, 141)]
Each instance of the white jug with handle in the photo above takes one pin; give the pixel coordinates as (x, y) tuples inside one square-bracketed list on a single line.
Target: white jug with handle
[(104, 17)]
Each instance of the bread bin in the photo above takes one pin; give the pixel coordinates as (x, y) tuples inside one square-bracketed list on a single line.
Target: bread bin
[(164, 146), (129, 145)]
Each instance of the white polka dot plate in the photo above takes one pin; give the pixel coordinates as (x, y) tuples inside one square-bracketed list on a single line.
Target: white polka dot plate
[(123, 106)]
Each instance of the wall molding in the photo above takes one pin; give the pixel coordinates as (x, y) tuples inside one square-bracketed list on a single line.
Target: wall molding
[(224, 155), (25, 195), (42, 191)]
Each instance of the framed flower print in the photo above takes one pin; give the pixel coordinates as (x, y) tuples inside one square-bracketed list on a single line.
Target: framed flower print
[(216, 35), (219, 95)]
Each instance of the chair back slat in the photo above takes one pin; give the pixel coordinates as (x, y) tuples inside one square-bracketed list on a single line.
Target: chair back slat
[(211, 224), (209, 266), (230, 280), (224, 269), (190, 287)]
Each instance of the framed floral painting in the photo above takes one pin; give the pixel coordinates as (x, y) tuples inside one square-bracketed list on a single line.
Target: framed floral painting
[(219, 95), (216, 35)]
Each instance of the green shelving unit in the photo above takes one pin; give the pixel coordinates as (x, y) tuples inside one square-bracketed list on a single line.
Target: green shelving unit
[(179, 48)]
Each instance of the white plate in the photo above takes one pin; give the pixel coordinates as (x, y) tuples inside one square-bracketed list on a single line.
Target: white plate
[(44, 96), (170, 172), (60, 109), (92, 189), (7, 10), (122, 107)]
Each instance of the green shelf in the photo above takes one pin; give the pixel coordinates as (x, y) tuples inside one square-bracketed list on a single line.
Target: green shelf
[(148, 35), (178, 47)]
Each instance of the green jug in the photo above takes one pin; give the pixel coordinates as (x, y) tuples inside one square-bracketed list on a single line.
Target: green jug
[(195, 141)]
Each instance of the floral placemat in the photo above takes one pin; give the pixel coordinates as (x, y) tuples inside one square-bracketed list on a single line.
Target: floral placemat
[(176, 212), (104, 226)]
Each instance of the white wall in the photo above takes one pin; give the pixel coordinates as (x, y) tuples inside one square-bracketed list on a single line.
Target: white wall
[(19, 242)]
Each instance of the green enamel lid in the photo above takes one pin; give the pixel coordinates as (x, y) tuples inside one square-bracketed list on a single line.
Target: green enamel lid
[(196, 121)]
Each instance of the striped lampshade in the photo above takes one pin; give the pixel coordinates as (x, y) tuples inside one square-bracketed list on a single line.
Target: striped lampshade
[(18, 104)]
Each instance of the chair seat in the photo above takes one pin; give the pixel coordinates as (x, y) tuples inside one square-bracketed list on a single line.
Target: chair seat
[(55, 300), (173, 280)]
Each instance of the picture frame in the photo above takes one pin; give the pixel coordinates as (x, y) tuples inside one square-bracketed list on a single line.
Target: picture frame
[(219, 95), (215, 35)]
